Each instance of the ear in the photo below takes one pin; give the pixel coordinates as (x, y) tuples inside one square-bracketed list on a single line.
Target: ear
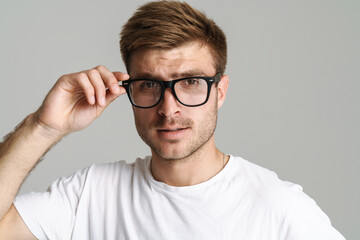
[(222, 89)]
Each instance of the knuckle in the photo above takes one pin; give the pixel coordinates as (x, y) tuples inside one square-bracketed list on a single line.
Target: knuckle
[(100, 67), (101, 89), (93, 72), (89, 91), (81, 76), (63, 77)]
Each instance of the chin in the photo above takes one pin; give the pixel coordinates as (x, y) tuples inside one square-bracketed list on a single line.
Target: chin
[(179, 151), (171, 154)]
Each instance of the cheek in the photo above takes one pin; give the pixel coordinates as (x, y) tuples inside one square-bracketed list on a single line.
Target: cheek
[(206, 113), (140, 117), (144, 117)]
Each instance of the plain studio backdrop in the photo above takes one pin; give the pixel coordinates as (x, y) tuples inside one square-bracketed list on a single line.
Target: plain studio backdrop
[(292, 104)]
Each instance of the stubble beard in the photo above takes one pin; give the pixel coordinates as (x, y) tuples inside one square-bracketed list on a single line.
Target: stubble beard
[(202, 136)]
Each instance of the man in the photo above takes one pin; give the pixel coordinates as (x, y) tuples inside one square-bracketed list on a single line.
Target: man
[(187, 188)]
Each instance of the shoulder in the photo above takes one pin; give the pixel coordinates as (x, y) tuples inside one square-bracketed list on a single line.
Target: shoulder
[(259, 177), (115, 170), (265, 187), (284, 202), (103, 177)]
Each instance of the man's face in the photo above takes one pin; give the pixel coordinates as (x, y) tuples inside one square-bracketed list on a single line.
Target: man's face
[(174, 131)]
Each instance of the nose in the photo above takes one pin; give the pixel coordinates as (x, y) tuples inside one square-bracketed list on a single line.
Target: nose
[(168, 106)]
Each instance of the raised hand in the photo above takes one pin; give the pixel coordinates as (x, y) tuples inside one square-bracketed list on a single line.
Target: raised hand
[(71, 105), (78, 98)]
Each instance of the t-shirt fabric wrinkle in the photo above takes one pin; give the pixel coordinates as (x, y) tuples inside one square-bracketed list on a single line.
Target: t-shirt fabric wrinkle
[(123, 201)]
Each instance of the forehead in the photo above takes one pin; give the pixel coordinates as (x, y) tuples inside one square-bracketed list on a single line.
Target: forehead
[(187, 60)]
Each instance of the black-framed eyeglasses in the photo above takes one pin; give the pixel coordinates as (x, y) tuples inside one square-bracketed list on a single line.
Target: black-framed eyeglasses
[(189, 91)]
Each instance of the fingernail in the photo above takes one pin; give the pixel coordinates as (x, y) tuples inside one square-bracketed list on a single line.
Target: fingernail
[(92, 100), (116, 88), (103, 101)]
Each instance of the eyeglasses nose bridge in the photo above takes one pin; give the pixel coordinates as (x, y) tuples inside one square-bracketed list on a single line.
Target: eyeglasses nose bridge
[(170, 85)]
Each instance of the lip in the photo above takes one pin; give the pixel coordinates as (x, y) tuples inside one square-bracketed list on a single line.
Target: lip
[(172, 133)]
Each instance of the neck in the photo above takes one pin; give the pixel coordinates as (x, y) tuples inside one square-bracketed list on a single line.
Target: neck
[(199, 167)]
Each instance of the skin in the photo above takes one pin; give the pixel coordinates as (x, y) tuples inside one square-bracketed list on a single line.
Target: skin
[(183, 157), (74, 102), (181, 138)]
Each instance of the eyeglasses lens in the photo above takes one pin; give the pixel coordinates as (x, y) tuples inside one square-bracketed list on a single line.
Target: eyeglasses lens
[(145, 93), (192, 91)]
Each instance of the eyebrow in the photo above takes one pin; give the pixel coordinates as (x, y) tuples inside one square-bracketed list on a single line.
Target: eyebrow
[(189, 73), (176, 75)]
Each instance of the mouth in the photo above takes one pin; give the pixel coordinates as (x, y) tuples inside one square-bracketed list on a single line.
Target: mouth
[(173, 133), (171, 130)]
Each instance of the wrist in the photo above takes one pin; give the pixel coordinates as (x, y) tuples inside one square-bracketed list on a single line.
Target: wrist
[(42, 130)]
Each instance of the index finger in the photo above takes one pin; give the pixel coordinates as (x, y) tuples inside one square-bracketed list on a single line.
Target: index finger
[(120, 76)]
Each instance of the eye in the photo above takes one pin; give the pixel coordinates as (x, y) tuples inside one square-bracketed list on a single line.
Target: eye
[(148, 85), (191, 82)]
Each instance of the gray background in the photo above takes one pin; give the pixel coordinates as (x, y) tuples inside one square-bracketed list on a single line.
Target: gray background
[(292, 105)]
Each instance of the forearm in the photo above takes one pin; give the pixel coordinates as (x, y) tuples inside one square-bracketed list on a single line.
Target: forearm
[(19, 154)]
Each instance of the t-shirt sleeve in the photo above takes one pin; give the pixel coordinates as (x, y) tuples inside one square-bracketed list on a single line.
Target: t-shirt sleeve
[(51, 214), (307, 221)]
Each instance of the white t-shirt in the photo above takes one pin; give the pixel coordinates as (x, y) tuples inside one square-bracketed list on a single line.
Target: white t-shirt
[(123, 201)]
